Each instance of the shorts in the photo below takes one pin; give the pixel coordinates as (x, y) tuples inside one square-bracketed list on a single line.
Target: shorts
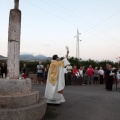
[(40, 75), (96, 78)]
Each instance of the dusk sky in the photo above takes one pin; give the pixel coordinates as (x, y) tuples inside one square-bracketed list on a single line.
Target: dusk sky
[(49, 25)]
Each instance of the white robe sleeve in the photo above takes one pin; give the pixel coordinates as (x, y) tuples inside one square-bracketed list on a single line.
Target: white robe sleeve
[(61, 78), (66, 62)]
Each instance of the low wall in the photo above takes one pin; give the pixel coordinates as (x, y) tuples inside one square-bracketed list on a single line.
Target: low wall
[(33, 78)]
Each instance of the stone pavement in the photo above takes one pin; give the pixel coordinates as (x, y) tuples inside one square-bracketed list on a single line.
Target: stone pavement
[(87, 103)]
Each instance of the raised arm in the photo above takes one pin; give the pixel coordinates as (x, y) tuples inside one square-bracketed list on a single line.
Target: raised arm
[(67, 54)]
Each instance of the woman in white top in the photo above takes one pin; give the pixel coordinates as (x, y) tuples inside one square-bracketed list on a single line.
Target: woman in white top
[(80, 75), (101, 72), (118, 77)]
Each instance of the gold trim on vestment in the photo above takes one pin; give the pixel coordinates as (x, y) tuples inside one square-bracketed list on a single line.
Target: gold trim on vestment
[(54, 69)]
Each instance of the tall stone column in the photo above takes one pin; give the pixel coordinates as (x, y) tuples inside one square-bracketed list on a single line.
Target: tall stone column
[(18, 101), (14, 41)]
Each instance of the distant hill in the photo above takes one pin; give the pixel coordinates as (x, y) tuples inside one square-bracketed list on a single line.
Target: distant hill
[(32, 57), (29, 57), (2, 57)]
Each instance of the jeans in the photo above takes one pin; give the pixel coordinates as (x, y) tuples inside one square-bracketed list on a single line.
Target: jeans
[(74, 80), (90, 80)]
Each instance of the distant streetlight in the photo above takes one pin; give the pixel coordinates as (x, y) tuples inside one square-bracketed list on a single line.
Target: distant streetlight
[(118, 59), (77, 44)]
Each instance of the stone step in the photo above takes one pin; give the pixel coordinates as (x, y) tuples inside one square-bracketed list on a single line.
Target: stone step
[(15, 86), (19, 99), (32, 112)]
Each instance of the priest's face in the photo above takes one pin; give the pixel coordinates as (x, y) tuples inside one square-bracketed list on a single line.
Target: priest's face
[(58, 59)]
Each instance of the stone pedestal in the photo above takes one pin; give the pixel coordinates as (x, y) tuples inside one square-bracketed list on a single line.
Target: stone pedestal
[(19, 102)]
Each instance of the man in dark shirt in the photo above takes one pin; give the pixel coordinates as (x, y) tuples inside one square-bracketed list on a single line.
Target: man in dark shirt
[(106, 75), (4, 70), (110, 78)]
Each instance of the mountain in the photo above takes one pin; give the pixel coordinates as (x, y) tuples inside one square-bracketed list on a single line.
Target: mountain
[(40, 57), (2, 57), (32, 57), (29, 57)]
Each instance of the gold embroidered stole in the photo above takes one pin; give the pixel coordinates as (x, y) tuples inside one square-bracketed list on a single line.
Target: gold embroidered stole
[(54, 69)]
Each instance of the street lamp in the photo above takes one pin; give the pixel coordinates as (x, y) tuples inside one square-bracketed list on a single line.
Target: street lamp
[(77, 44), (79, 50), (118, 59)]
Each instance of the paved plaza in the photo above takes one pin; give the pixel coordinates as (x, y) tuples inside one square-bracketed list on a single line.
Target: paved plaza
[(91, 102)]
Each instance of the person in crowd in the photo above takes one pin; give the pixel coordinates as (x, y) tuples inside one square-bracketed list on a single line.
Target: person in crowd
[(4, 70), (46, 71), (24, 71), (110, 78), (55, 81), (0, 73), (106, 75), (65, 74), (75, 75), (69, 74), (40, 70), (101, 73), (90, 72), (96, 75), (80, 80), (84, 76), (118, 77)]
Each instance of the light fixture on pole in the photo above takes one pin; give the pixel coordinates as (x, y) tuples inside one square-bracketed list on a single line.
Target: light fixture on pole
[(118, 59), (77, 44)]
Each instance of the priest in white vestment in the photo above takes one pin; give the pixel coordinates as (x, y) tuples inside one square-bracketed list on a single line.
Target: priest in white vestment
[(56, 81)]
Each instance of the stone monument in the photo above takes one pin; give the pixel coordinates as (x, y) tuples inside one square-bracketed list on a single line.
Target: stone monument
[(14, 41), (18, 101)]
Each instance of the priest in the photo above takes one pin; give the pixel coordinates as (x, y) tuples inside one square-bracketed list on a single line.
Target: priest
[(55, 81)]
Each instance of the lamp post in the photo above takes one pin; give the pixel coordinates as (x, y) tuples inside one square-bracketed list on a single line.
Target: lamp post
[(79, 51), (77, 44), (118, 61)]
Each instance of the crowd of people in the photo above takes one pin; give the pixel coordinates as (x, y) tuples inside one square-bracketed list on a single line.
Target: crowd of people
[(92, 76), (73, 75), (4, 71)]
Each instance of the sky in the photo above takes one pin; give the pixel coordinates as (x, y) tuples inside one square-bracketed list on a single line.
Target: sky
[(48, 26)]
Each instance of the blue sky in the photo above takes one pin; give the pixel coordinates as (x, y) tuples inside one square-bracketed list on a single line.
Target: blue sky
[(50, 25)]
